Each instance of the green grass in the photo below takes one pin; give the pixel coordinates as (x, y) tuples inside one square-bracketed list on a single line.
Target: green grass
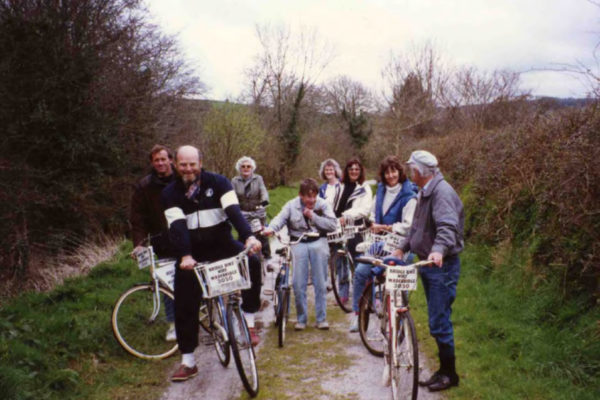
[(514, 341), (278, 197), (60, 345), (516, 337)]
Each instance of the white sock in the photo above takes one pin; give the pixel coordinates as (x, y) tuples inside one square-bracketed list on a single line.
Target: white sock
[(188, 360), (249, 319)]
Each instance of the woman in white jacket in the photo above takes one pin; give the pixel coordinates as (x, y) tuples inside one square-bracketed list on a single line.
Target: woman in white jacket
[(352, 207)]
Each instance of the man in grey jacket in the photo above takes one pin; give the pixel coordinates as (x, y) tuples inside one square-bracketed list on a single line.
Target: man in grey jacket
[(308, 213), (437, 235)]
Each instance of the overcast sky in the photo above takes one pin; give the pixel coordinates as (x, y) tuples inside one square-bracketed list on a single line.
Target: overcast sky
[(218, 36)]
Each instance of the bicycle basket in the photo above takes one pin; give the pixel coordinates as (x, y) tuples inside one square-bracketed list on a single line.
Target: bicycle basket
[(375, 245), (335, 237), (223, 277), (165, 272)]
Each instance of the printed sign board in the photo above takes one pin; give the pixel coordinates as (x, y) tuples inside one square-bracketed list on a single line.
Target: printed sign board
[(222, 277), (400, 278), (144, 258)]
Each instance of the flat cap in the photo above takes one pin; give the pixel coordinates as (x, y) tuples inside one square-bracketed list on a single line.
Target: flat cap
[(423, 157)]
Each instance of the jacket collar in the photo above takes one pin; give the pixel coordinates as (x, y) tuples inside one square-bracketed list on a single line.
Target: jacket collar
[(437, 178)]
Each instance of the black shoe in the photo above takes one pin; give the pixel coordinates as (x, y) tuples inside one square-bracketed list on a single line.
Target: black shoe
[(432, 379), (443, 382)]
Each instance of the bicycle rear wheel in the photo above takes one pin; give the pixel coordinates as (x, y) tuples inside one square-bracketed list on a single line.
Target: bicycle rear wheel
[(371, 323), (283, 315), (139, 323), (341, 269), (218, 330), (404, 366), (242, 350)]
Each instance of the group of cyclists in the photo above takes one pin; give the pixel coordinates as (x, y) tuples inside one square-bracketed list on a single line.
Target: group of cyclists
[(189, 215)]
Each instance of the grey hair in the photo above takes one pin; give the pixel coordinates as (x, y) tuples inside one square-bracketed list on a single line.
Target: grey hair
[(424, 170), (242, 160), (330, 162)]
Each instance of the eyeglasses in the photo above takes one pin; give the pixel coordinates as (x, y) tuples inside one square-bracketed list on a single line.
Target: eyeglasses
[(356, 169), (246, 166)]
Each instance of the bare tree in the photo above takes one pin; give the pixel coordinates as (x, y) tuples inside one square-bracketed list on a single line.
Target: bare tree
[(351, 101), (283, 75), (483, 99), (413, 81)]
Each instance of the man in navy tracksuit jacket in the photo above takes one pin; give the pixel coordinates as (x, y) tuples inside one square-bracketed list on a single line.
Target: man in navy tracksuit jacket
[(199, 207)]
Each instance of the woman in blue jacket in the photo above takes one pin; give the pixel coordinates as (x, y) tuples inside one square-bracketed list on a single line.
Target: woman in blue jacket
[(392, 211)]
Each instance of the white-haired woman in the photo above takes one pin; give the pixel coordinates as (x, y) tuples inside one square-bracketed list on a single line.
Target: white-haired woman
[(253, 195), (331, 173)]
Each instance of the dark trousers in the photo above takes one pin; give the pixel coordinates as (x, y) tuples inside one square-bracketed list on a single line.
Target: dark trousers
[(188, 293)]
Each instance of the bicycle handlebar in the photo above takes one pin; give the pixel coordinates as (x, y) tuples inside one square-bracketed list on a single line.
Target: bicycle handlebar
[(379, 262), (285, 242)]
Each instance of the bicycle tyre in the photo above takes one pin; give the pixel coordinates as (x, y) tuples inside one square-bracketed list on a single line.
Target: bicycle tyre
[(347, 265), (241, 347), (277, 296), (405, 374), (283, 316), (370, 324), (135, 329), (218, 331)]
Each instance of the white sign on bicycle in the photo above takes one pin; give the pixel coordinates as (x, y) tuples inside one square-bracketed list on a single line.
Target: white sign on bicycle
[(144, 258), (401, 278), (392, 242), (223, 276)]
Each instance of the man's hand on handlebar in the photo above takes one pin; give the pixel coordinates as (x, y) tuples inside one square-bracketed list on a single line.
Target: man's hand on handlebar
[(436, 257), (187, 262)]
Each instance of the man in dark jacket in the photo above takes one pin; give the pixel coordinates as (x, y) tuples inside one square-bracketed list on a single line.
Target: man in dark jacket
[(437, 235), (200, 208), (147, 218)]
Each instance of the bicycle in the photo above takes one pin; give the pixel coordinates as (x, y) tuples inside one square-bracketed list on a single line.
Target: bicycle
[(138, 321), (341, 265), (396, 326), (225, 278), (283, 283)]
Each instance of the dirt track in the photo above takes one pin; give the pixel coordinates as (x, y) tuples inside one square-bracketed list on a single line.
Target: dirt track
[(360, 380)]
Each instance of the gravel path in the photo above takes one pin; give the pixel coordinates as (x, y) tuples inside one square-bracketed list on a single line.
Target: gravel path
[(361, 380)]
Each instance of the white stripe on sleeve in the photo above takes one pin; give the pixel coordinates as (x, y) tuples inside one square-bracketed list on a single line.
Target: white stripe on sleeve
[(229, 199), (173, 214)]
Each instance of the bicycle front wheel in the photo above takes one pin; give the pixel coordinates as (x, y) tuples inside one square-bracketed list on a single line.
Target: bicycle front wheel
[(341, 269), (139, 322), (242, 350), (218, 330), (404, 366), (283, 315), (371, 323)]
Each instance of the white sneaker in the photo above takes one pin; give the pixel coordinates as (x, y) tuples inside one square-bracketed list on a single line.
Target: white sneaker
[(171, 336), (354, 324), (300, 326)]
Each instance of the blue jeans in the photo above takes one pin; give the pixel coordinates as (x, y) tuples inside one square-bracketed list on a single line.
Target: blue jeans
[(316, 253), (169, 309), (440, 290), (362, 273)]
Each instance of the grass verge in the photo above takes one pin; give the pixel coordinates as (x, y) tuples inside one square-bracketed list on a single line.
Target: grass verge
[(513, 341)]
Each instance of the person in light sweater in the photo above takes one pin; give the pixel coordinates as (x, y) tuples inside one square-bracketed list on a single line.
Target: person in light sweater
[(392, 211)]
